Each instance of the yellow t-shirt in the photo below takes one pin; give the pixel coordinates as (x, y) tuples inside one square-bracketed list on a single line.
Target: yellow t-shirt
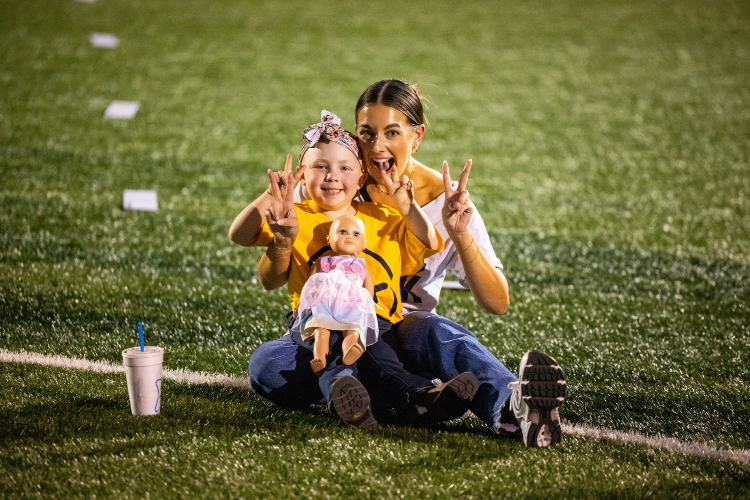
[(391, 251)]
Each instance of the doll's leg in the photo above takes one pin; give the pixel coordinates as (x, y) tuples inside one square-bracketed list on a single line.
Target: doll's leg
[(352, 346), (320, 351)]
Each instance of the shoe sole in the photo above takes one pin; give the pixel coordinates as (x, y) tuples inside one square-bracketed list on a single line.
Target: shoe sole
[(454, 400), (352, 403), (543, 389)]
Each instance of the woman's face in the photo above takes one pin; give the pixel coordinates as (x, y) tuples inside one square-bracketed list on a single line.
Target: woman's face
[(386, 139)]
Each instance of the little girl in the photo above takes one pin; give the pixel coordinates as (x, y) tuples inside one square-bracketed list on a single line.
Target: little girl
[(338, 296)]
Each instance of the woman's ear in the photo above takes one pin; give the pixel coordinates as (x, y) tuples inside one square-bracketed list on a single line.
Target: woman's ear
[(418, 135)]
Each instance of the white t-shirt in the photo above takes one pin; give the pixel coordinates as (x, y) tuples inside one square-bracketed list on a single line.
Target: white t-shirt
[(421, 291)]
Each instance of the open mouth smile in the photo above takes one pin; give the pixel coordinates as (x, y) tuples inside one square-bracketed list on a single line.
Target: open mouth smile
[(383, 164)]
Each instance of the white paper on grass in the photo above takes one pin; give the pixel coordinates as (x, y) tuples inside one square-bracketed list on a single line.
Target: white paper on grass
[(121, 110), (453, 285), (104, 40), (140, 199)]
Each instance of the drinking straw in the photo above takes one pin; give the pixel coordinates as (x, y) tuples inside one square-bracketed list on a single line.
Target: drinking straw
[(140, 334)]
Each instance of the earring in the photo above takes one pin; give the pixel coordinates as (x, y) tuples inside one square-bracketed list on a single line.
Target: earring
[(414, 149)]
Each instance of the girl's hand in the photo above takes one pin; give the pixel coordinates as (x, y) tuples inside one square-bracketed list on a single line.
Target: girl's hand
[(283, 175), (458, 208), (392, 191), (280, 215)]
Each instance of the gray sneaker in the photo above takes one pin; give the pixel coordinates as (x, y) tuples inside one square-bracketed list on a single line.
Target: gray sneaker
[(447, 401), (537, 394), (350, 401)]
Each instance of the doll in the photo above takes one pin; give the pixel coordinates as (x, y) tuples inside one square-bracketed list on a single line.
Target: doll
[(338, 296)]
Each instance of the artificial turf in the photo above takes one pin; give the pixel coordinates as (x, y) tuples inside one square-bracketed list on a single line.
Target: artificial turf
[(611, 144)]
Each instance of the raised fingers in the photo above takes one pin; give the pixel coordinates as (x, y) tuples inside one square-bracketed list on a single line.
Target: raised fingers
[(447, 182), (290, 187), (464, 179), (288, 164), (273, 181)]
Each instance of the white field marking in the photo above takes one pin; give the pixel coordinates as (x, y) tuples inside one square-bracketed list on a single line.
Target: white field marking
[(667, 443), (178, 375), (188, 377)]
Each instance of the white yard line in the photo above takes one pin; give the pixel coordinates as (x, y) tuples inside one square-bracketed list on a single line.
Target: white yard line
[(670, 444), (180, 375)]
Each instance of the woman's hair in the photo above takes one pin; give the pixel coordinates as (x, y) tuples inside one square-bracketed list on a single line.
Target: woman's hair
[(397, 95)]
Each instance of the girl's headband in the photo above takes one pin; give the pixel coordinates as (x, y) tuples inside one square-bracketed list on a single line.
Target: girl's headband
[(329, 128)]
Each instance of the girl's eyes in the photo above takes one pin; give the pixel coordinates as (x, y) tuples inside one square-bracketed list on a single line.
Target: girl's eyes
[(391, 133), (341, 231), (356, 234)]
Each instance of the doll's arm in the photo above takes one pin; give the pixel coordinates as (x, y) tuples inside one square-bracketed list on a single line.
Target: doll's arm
[(369, 284)]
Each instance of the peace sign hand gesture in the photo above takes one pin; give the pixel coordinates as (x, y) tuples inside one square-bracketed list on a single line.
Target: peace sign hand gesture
[(399, 193), (283, 174), (458, 209), (280, 214)]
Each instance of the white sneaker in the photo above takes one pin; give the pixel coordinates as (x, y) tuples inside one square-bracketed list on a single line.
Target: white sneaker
[(537, 394)]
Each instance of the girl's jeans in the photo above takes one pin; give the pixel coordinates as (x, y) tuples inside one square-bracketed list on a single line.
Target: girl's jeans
[(280, 371)]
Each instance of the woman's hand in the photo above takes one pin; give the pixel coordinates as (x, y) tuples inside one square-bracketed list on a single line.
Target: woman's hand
[(458, 209), (280, 214), (392, 191)]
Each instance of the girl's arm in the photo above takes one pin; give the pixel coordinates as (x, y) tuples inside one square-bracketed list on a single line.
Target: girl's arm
[(487, 283), (246, 227), (274, 264)]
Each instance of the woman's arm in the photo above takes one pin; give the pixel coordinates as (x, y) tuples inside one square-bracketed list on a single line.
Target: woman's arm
[(487, 283), (400, 196)]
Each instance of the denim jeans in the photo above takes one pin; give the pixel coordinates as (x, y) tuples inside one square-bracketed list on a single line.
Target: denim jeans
[(434, 346), (280, 371)]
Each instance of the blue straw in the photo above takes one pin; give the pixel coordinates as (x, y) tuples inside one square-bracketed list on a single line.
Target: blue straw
[(140, 334)]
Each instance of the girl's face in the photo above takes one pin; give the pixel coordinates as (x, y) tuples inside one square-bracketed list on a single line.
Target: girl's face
[(386, 139), (333, 175), (347, 235)]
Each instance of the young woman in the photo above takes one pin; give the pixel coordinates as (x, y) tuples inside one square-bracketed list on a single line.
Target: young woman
[(390, 127)]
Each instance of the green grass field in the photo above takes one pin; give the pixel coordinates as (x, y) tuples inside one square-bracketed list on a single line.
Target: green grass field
[(611, 149)]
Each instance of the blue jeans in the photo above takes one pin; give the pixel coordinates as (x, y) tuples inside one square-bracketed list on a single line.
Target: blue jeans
[(434, 346), (280, 371)]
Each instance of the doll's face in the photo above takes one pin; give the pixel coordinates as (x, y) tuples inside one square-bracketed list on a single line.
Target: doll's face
[(347, 235)]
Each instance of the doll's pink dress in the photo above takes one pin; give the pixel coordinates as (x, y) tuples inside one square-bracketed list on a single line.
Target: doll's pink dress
[(335, 299)]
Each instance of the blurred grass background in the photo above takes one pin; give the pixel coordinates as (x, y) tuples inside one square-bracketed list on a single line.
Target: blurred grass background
[(611, 144)]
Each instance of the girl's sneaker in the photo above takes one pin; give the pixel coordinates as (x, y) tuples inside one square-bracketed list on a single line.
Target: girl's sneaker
[(351, 402), (540, 390)]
